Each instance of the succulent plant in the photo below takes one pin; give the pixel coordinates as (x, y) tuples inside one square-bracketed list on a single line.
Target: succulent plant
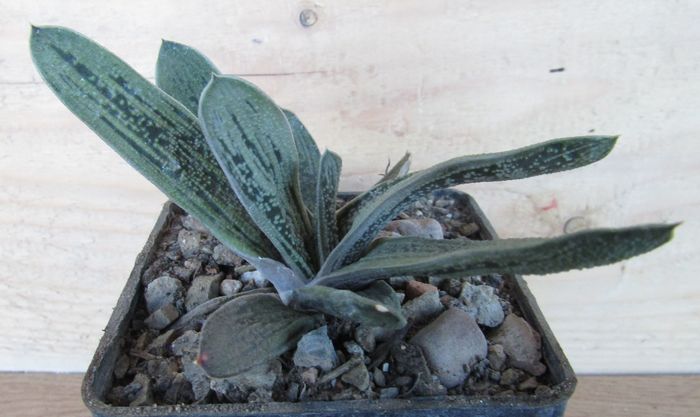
[(250, 171)]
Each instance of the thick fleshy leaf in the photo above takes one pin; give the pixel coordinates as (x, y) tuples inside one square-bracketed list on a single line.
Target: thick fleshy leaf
[(309, 159), (543, 158), (326, 229), (252, 141), (149, 129), (250, 331), (400, 169), (417, 256), (377, 306), (183, 72)]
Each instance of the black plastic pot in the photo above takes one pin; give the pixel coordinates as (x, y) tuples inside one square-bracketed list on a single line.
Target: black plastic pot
[(98, 379)]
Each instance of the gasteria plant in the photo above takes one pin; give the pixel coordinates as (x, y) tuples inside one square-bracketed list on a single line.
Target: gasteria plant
[(226, 153)]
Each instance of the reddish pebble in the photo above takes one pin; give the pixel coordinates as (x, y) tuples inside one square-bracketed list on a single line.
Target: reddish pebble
[(415, 289)]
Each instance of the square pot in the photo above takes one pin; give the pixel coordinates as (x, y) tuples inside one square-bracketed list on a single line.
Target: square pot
[(98, 378)]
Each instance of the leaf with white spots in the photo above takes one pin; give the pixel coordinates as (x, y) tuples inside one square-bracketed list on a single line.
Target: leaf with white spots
[(153, 132), (417, 256), (326, 229), (183, 72), (252, 141), (543, 158)]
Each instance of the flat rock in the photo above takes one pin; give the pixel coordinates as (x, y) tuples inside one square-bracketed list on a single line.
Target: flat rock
[(159, 345), (315, 349), (225, 256), (358, 377), (452, 343), (483, 304), (423, 227), (422, 308), (261, 377), (162, 291), (186, 345), (197, 378), (162, 317), (203, 288), (521, 343), (230, 286)]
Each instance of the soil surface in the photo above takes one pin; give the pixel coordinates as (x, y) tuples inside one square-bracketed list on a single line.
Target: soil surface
[(466, 335)]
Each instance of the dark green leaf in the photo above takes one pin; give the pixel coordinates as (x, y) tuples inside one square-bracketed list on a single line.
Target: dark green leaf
[(543, 158), (375, 307), (326, 229), (309, 159), (183, 73), (253, 143), (416, 256), (149, 129), (250, 331)]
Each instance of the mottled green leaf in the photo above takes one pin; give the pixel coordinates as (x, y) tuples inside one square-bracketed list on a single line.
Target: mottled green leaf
[(249, 331), (252, 141), (375, 307), (416, 256), (309, 159), (183, 72), (149, 129), (326, 229), (543, 158)]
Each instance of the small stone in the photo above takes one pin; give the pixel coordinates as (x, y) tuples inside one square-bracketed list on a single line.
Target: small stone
[(497, 357), (293, 392), (180, 391), (260, 395), (422, 308), (191, 223), (521, 343), (162, 372), (528, 384), (379, 377), (197, 378), (162, 291), (409, 359), (162, 317), (399, 283), (315, 349), (230, 286), (225, 256), (468, 229), (261, 377), (543, 391), (358, 377), (186, 345), (254, 277), (403, 381), (203, 288), (415, 289), (353, 348), (512, 377), (309, 376), (366, 338), (386, 234), (388, 393), (159, 346), (121, 367), (144, 395), (451, 344), (424, 227), (493, 375), (483, 304), (190, 242)]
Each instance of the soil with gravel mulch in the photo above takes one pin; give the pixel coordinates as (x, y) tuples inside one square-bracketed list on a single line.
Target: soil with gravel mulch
[(193, 274)]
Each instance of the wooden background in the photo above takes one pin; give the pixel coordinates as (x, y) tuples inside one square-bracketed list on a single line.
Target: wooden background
[(371, 80)]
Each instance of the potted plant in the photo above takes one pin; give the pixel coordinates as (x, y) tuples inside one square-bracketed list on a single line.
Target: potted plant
[(246, 177)]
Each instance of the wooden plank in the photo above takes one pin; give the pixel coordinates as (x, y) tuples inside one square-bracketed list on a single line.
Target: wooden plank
[(38, 395), (372, 80)]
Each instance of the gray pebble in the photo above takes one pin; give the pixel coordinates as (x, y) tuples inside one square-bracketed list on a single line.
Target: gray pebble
[(224, 256), (190, 242), (230, 286), (203, 288), (162, 291), (388, 393), (315, 349), (423, 308), (357, 376), (379, 377), (162, 317), (483, 304)]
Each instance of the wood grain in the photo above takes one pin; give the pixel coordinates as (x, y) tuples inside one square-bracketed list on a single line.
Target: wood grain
[(38, 395), (372, 80)]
